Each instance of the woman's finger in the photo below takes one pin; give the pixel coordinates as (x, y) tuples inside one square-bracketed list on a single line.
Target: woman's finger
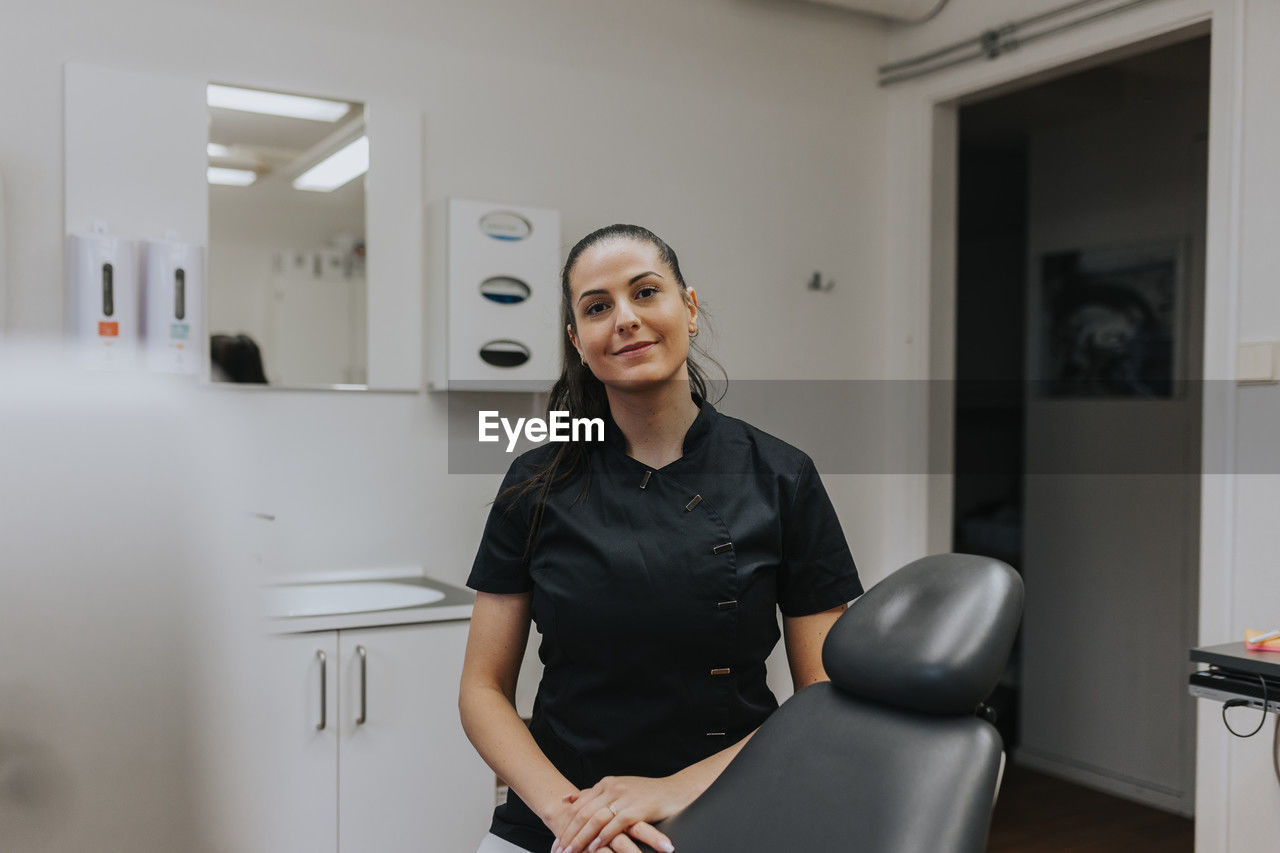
[(580, 815), (649, 834), (620, 827), (622, 844), (610, 832), (589, 808), (602, 816)]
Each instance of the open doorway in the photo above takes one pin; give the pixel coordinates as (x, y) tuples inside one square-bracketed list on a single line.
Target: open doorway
[(1079, 339)]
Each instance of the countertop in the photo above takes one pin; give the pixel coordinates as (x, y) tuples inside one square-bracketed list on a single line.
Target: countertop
[(455, 606)]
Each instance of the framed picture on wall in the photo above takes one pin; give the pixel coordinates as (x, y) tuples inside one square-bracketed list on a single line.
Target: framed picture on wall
[(1110, 321)]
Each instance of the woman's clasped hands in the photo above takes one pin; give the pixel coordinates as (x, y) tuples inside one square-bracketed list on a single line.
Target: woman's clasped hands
[(601, 817)]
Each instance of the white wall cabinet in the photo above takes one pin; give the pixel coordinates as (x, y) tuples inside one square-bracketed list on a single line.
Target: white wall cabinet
[(391, 769)]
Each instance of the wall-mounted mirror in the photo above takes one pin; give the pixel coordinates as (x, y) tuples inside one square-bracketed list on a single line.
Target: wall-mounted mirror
[(287, 299)]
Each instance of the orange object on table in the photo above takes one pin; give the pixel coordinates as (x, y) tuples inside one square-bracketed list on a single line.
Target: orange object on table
[(1271, 645)]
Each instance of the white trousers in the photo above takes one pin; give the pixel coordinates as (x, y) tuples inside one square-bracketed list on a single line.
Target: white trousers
[(493, 844)]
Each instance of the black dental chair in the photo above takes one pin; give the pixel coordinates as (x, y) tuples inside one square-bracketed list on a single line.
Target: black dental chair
[(889, 756)]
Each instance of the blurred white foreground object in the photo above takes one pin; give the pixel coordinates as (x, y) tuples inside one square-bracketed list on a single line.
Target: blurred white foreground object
[(4, 262), (119, 591)]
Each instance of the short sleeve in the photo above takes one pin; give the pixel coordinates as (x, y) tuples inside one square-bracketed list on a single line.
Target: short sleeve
[(817, 571), (501, 564)]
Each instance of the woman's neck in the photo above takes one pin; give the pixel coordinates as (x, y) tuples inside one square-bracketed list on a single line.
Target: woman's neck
[(654, 421)]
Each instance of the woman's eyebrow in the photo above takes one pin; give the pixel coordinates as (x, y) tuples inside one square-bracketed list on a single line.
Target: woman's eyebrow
[(634, 279)]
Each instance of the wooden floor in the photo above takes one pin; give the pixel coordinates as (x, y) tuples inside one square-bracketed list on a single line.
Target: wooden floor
[(1041, 813)]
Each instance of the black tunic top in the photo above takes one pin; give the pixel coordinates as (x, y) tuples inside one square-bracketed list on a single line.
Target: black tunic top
[(655, 596)]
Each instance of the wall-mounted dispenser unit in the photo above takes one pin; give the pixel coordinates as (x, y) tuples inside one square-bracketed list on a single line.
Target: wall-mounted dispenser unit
[(101, 299), (172, 306), (493, 297)]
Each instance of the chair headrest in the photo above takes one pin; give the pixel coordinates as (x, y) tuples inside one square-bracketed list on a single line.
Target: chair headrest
[(934, 636)]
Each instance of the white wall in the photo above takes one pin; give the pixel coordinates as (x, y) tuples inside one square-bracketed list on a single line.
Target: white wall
[(1237, 799), (1252, 582), (749, 133)]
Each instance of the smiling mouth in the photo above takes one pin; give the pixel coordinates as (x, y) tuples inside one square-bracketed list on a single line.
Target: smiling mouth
[(635, 347)]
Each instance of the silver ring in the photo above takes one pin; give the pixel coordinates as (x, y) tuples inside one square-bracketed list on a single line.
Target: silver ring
[(612, 809)]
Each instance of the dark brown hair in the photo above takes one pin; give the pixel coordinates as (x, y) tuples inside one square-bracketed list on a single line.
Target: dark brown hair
[(579, 392)]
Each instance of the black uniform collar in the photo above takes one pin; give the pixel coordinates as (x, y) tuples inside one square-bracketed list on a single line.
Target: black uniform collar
[(697, 432)]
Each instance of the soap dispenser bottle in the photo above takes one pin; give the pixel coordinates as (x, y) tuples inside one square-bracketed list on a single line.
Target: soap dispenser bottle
[(172, 306), (101, 302)]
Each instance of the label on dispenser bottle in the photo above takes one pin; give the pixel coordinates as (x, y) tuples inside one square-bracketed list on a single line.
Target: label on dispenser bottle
[(179, 331), (108, 329)]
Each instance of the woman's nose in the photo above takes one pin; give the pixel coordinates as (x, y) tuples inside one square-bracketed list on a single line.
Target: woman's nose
[(626, 316)]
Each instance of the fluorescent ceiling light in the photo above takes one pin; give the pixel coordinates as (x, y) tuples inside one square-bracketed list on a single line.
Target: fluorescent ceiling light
[(231, 177), (344, 165), (216, 150), (275, 103)]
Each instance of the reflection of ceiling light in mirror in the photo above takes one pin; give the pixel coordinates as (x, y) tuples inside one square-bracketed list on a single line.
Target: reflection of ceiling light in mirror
[(216, 150), (231, 177), (340, 167), (275, 103)]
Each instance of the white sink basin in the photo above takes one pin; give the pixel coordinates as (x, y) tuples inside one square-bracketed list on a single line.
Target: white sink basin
[(327, 599)]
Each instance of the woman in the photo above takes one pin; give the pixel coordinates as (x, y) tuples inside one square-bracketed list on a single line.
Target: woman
[(652, 562)]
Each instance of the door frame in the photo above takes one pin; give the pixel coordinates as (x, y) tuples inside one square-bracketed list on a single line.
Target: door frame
[(922, 166)]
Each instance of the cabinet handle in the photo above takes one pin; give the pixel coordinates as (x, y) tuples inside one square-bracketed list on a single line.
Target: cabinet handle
[(364, 693), (320, 656)]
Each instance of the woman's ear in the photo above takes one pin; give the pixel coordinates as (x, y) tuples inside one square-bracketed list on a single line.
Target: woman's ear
[(691, 300), (573, 339)]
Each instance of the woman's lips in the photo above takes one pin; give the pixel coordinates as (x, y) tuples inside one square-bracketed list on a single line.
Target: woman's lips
[(637, 351)]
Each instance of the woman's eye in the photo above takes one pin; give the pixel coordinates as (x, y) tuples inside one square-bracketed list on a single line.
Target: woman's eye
[(645, 292)]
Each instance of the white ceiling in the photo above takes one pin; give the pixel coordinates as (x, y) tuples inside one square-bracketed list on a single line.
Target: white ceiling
[(270, 140)]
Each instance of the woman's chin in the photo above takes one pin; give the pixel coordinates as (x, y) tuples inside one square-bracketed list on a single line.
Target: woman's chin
[(632, 383), (642, 378)]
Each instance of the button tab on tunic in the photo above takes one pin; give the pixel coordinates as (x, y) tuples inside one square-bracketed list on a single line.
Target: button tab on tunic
[(697, 499), (720, 549), (723, 670), (645, 481), (726, 605), (715, 734)]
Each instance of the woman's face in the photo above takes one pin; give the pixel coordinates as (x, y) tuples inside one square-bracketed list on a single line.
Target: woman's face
[(633, 319)]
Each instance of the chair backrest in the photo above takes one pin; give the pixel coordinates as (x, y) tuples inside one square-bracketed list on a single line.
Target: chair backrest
[(888, 756)]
